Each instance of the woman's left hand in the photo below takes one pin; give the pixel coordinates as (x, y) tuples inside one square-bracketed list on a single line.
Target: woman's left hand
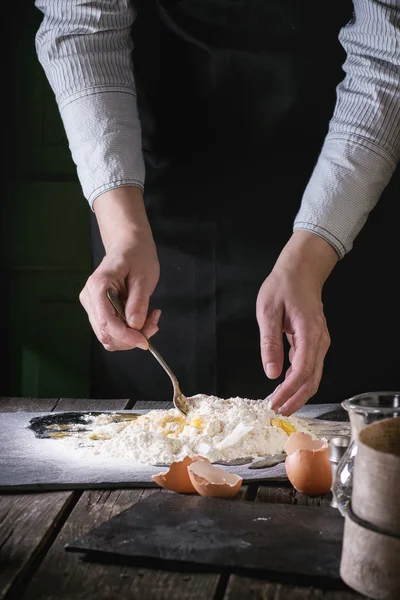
[(289, 302)]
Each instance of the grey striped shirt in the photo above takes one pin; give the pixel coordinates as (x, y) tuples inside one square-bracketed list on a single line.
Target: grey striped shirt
[(85, 49)]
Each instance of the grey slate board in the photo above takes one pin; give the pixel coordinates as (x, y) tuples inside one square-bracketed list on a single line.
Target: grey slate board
[(278, 538), (29, 463)]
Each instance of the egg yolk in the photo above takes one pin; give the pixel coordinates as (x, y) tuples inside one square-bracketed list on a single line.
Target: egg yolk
[(197, 422), (288, 428)]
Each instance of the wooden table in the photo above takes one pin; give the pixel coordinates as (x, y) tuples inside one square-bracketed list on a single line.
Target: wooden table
[(35, 526)]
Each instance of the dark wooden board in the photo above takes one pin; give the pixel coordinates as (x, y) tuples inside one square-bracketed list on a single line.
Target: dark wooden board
[(156, 405), (64, 576), (27, 404), (27, 524), (287, 494), (223, 533), (71, 404), (243, 588)]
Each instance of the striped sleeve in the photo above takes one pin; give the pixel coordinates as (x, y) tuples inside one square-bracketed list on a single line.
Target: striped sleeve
[(362, 147), (85, 49)]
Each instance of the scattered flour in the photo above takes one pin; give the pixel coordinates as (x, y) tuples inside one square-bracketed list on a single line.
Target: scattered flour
[(219, 429)]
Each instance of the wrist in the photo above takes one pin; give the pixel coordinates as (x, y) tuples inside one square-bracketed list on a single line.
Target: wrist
[(121, 216), (309, 254)]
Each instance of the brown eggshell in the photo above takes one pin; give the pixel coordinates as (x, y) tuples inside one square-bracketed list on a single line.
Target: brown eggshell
[(302, 441), (307, 464), (177, 478), (209, 480)]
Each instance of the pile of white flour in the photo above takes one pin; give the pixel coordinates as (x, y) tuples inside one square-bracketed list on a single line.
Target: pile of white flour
[(219, 429)]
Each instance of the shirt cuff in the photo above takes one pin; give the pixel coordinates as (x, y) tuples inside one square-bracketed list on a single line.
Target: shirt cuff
[(347, 182), (103, 129)]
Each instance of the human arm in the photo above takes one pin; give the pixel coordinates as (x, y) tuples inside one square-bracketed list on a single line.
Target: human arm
[(130, 266), (362, 147), (290, 302), (358, 158), (85, 50)]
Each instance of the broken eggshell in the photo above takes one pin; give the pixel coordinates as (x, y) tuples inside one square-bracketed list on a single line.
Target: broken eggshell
[(177, 478), (307, 464), (213, 481)]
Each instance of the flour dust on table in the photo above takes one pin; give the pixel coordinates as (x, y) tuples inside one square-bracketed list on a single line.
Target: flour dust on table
[(216, 428)]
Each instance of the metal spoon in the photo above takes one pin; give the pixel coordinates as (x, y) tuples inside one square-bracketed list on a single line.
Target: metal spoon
[(180, 401)]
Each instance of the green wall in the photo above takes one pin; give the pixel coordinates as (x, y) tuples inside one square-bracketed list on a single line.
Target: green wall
[(45, 251)]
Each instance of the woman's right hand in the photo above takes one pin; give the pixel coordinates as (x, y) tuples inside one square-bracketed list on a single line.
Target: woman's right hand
[(130, 267)]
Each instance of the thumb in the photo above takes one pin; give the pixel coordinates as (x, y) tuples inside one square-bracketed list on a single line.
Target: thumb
[(137, 303), (271, 344)]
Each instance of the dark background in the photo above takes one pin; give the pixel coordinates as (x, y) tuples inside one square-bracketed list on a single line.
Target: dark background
[(45, 260)]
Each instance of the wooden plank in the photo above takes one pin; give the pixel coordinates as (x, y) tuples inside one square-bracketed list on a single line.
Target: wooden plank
[(27, 404), (288, 495), (328, 429), (30, 522), (67, 404), (243, 493), (64, 575), (27, 524), (149, 405), (240, 587)]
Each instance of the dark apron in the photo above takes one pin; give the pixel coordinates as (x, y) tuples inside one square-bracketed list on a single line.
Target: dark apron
[(235, 98)]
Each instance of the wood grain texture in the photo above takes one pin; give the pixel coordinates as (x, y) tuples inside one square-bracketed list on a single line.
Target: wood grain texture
[(286, 494), (67, 404), (328, 429), (64, 575), (27, 404), (27, 523), (149, 405), (240, 588)]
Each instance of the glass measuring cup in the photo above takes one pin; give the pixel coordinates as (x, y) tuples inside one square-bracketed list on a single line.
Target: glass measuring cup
[(363, 410)]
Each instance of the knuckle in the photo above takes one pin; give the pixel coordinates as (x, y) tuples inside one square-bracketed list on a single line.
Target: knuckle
[(91, 282), (306, 374), (139, 298), (267, 312), (82, 297), (105, 338), (271, 343), (102, 324), (326, 339), (97, 282), (313, 332)]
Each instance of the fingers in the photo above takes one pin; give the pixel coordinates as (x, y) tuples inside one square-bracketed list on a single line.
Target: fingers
[(299, 378), (132, 272), (137, 305), (304, 375), (291, 349), (138, 338), (271, 342), (151, 325), (304, 394), (109, 329), (107, 326)]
